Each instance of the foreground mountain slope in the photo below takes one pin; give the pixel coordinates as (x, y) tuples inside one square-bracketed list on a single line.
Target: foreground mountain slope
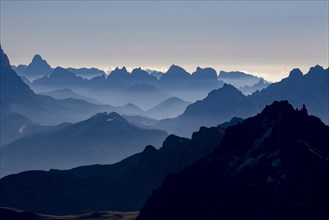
[(100, 139), (271, 166), (123, 186)]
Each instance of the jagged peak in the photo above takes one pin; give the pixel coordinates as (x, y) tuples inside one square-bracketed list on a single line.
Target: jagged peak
[(149, 149), (205, 73), (37, 57), (4, 61), (278, 108), (60, 71), (139, 72), (119, 72), (227, 86), (38, 60), (316, 69), (176, 68)]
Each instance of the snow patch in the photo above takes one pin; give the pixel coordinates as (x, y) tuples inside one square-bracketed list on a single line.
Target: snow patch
[(21, 129)]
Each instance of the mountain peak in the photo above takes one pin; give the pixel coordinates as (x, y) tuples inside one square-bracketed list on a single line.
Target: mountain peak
[(278, 107), (316, 69), (227, 86), (4, 61), (175, 68), (37, 58), (295, 73), (176, 72), (139, 72), (62, 73), (205, 73), (117, 72)]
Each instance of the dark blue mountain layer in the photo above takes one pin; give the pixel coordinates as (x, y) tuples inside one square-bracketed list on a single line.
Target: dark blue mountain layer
[(121, 186), (271, 166), (101, 139)]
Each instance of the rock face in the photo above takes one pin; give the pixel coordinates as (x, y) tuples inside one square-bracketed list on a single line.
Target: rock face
[(271, 166)]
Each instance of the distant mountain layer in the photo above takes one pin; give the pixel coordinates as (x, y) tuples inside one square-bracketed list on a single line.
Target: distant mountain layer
[(102, 139), (271, 166), (36, 69), (87, 72), (246, 83), (43, 109), (219, 106), (122, 186), (222, 104), (169, 108), (68, 93), (310, 89)]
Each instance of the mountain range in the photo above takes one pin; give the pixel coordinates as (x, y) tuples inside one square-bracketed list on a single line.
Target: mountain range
[(43, 109), (122, 186), (271, 166), (68, 93), (101, 139), (169, 108), (219, 106), (222, 104), (36, 69)]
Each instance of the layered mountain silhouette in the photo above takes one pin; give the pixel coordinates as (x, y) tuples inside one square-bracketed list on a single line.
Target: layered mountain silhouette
[(271, 166), (238, 79), (222, 104), (246, 83), (60, 78), (179, 83), (101, 139), (169, 108), (219, 106), (259, 86), (143, 95), (68, 93), (14, 126), (42, 109), (36, 69), (122, 186), (310, 89), (157, 74), (141, 76)]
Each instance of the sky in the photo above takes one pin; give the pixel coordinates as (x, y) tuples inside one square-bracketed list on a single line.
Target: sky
[(267, 39)]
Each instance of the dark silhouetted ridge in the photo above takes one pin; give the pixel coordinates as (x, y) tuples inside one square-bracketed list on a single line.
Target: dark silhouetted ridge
[(122, 186), (274, 165)]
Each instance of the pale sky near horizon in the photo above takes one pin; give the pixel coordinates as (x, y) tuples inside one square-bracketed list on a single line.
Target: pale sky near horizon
[(267, 39)]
